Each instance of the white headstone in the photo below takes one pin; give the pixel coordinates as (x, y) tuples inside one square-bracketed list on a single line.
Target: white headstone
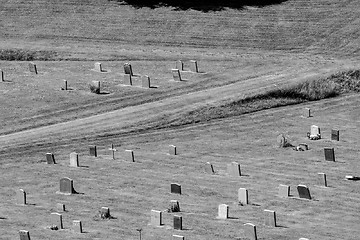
[(74, 159), (243, 196), (223, 212)]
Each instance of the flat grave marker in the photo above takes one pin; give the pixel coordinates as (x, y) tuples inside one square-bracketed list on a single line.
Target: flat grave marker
[(335, 135), (66, 186), (77, 226), (128, 79), (243, 197), (322, 179), (209, 168), (304, 192), (74, 159), (176, 75), (233, 169), (329, 154), (175, 188), (129, 156), (284, 190), (269, 218), (172, 150), (174, 206), (50, 159), (56, 219), (194, 66), (128, 69), (156, 218), (223, 211), (250, 231), (32, 67), (145, 81), (179, 65), (93, 150), (24, 235), (21, 197), (178, 222)]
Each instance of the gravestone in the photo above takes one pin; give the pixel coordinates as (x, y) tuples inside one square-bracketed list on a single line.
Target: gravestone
[(60, 207), (315, 131), (209, 168), (128, 69), (56, 219), (270, 218), (176, 75), (233, 169), (175, 188), (322, 179), (2, 76), (130, 156), (329, 154), (303, 239), (98, 67), (178, 222), (67, 186), (250, 231), (77, 226), (21, 197), (93, 151), (304, 146), (50, 159), (335, 135), (24, 235), (113, 150), (307, 112), (193, 66), (179, 65), (156, 218), (128, 79), (304, 192), (284, 190), (145, 81), (65, 85), (95, 87), (105, 212), (223, 211), (172, 150), (178, 237), (74, 159), (174, 206), (243, 197), (32, 67)]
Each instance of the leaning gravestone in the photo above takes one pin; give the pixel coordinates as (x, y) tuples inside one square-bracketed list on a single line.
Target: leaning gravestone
[(250, 231), (77, 226), (329, 154), (174, 206), (322, 179), (176, 75), (172, 150), (175, 188), (56, 219), (24, 235), (304, 192), (223, 211), (178, 222), (98, 67), (209, 168), (128, 79), (270, 218), (74, 159), (145, 81), (243, 197), (93, 151), (32, 67), (21, 197), (178, 237), (128, 69), (66, 186), (130, 156), (179, 65), (335, 135), (50, 159), (156, 218), (193, 66), (233, 169), (284, 190), (2, 79)]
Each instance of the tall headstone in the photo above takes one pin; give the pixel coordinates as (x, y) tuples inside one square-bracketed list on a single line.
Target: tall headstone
[(98, 67), (93, 150), (178, 222), (129, 155), (128, 79), (233, 169), (21, 197), (315, 131), (77, 226), (32, 67), (175, 188), (223, 211), (50, 159), (156, 218), (67, 186), (74, 159), (128, 69), (174, 206), (270, 218), (194, 66), (24, 235), (178, 237), (250, 231), (304, 192), (329, 154), (65, 85), (145, 81), (322, 179), (284, 190), (60, 207), (56, 219), (176, 75), (307, 112), (243, 197), (2, 78), (209, 168), (172, 150), (335, 135), (179, 65)]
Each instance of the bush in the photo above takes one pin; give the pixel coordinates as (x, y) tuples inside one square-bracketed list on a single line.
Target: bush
[(26, 55), (94, 89)]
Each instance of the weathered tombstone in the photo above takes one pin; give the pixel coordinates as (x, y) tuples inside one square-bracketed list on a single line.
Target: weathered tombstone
[(2, 76), (113, 150), (156, 218), (98, 67), (95, 87), (179, 65), (250, 231), (67, 186), (335, 135), (270, 218), (128, 79), (65, 85), (322, 179), (209, 168), (32, 67), (50, 159), (307, 112), (329, 154), (74, 159), (193, 66), (93, 151), (130, 155), (178, 222), (105, 212), (233, 169), (172, 150), (145, 81), (60, 207), (178, 237), (223, 211), (304, 192), (174, 206), (77, 226), (21, 197), (56, 219), (284, 190), (175, 188), (315, 131), (128, 69), (243, 197), (24, 235), (176, 75)]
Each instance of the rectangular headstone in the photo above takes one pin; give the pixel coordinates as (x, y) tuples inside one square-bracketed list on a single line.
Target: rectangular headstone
[(243, 197), (175, 188), (24, 235), (128, 79), (178, 237), (233, 169), (65, 85), (21, 197), (77, 226), (98, 67), (67, 186), (193, 66), (50, 159), (172, 150), (176, 75), (209, 168), (130, 155), (322, 179), (329, 154), (113, 150), (32, 67), (56, 219), (93, 151), (2, 79), (304, 192), (307, 112), (145, 81), (105, 212), (156, 218), (270, 218), (284, 190), (315, 131), (250, 231), (128, 69), (60, 207), (178, 222), (223, 211), (335, 135), (179, 65), (174, 206), (74, 159)]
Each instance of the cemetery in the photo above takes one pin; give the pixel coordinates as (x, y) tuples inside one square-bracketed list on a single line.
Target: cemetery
[(173, 124)]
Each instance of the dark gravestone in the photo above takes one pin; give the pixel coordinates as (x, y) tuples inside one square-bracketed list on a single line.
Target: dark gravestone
[(193, 66), (60, 207), (50, 159), (128, 69), (145, 81), (304, 192), (32, 67), (179, 65), (209, 168), (67, 186), (178, 222), (329, 154), (175, 188), (322, 179), (335, 135), (128, 79), (176, 75), (24, 235), (93, 151), (270, 218), (174, 206), (250, 231)]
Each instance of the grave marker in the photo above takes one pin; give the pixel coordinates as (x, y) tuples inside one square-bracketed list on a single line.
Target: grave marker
[(243, 197), (304, 146), (67, 186), (156, 218), (95, 87), (105, 212), (128, 69), (335, 135), (74, 159), (270, 218), (60, 207), (193, 66), (304, 192), (24, 235), (93, 151), (329, 154), (56, 219), (21, 197), (172, 150), (176, 75), (128, 79), (223, 211), (284, 190), (250, 231), (32, 67), (179, 65), (322, 179), (233, 169), (145, 81), (77, 226), (130, 155), (113, 150), (178, 237), (178, 222), (303, 239), (50, 159), (65, 85), (315, 131), (209, 168), (2, 76), (174, 206), (98, 67), (175, 188), (307, 112)]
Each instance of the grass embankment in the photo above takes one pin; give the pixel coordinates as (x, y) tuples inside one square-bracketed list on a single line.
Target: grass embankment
[(26, 55)]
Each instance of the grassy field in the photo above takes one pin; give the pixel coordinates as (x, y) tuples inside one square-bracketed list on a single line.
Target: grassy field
[(241, 54)]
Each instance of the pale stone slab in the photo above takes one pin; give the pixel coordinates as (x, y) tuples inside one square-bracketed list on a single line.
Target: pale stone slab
[(128, 79), (176, 75), (130, 155), (74, 159), (65, 85), (32, 67), (270, 218), (223, 211), (21, 197), (179, 65), (60, 207), (307, 112), (175, 188), (24, 235), (315, 131), (284, 190), (56, 219), (329, 154), (178, 225), (194, 66), (322, 179), (145, 81), (98, 67), (250, 231), (77, 226), (243, 196), (156, 218), (172, 150), (304, 192), (209, 168), (233, 169), (50, 159)]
